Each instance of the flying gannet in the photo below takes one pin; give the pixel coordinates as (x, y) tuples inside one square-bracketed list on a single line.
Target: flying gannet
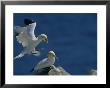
[(26, 36)]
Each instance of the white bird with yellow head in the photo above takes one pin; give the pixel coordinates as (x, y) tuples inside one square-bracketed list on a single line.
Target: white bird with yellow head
[(46, 63), (26, 36)]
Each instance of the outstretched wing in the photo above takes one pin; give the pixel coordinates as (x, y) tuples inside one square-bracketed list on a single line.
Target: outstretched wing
[(26, 34), (18, 30), (24, 38)]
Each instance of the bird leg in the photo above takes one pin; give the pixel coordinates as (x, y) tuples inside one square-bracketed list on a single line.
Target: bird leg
[(35, 53)]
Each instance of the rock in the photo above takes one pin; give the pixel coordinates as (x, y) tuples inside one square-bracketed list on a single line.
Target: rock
[(58, 71), (52, 71), (43, 71), (93, 72)]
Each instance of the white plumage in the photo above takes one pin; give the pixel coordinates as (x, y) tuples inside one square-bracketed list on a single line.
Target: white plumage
[(28, 40), (45, 63)]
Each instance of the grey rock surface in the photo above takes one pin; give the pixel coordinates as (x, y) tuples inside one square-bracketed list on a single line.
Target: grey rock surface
[(93, 72), (52, 71), (58, 71)]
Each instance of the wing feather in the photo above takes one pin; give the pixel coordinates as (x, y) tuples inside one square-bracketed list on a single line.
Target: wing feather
[(26, 34), (44, 63), (19, 29), (24, 38)]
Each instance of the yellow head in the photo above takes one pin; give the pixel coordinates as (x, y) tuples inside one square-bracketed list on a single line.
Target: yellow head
[(44, 38), (51, 54)]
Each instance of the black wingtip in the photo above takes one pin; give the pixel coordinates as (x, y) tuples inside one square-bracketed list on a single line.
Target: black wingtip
[(28, 21), (16, 34)]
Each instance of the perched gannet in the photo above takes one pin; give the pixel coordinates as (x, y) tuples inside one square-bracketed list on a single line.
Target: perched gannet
[(46, 63), (26, 36)]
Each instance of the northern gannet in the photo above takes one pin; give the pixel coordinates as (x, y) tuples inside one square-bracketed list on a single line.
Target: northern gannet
[(46, 62), (26, 36)]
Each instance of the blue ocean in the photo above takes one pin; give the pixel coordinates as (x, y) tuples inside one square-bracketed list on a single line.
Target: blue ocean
[(72, 36)]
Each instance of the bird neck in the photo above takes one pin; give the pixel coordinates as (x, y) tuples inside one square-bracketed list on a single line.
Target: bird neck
[(31, 26), (38, 40), (51, 58)]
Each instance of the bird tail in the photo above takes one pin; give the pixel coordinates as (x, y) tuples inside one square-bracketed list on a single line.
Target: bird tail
[(19, 56), (36, 53)]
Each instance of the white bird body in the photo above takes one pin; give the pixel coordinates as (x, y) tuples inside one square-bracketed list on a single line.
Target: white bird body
[(47, 62), (28, 40)]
